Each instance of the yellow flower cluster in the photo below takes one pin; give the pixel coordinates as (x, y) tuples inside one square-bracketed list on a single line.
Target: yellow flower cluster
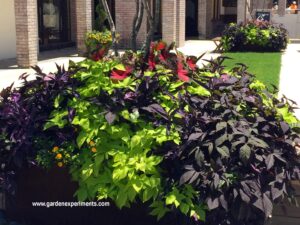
[(92, 144), (58, 156), (99, 37)]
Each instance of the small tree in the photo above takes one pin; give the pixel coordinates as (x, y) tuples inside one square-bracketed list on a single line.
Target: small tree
[(101, 18), (112, 26), (137, 22), (153, 22)]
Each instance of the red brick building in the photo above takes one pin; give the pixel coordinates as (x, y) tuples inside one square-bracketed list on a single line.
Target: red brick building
[(37, 25)]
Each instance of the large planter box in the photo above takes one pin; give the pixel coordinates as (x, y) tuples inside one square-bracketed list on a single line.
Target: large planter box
[(37, 185)]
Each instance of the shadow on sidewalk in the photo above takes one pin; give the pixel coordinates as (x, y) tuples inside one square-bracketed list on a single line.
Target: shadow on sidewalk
[(43, 56)]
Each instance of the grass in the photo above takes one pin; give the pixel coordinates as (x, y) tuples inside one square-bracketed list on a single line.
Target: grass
[(266, 66)]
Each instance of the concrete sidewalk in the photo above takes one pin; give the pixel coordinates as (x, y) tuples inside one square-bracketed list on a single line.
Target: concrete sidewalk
[(197, 48), (290, 74), (10, 72)]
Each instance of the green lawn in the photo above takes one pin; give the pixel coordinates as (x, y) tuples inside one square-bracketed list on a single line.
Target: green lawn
[(266, 66)]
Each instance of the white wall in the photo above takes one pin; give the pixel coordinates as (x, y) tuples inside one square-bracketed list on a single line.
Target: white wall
[(7, 30), (291, 22)]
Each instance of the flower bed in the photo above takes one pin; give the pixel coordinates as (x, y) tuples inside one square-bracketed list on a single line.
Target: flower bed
[(254, 36), (211, 145)]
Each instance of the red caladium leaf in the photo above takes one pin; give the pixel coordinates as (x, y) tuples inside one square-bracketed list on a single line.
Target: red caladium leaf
[(151, 61), (192, 62), (118, 74), (160, 46), (95, 56), (182, 73), (101, 53), (163, 56)]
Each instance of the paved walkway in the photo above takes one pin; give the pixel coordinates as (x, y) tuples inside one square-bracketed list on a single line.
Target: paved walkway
[(290, 74), (197, 48), (9, 71)]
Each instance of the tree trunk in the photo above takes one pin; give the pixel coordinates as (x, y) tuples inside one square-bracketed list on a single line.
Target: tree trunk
[(137, 22), (112, 27), (151, 21)]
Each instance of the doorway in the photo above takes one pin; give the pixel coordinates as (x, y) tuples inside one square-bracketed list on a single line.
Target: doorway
[(54, 24), (191, 22)]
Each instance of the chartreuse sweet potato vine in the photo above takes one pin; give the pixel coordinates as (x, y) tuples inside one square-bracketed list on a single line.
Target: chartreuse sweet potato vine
[(212, 144), (118, 144)]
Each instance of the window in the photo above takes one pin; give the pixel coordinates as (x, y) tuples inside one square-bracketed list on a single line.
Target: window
[(229, 3)]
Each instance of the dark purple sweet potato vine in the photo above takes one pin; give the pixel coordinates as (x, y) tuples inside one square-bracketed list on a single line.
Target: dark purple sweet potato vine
[(237, 152), (23, 113)]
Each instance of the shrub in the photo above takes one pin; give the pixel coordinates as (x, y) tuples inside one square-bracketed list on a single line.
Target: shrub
[(23, 114), (254, 36), (209, 144), (98, 44)]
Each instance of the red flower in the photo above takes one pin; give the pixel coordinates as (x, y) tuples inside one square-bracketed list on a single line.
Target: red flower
[(95, 56), (101, 53), (117, 74), (151, 61), (182, 73), (192, 62), (160, 46)]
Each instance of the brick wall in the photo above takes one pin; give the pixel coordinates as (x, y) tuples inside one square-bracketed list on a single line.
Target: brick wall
[(243, 7), (180, 24), (125, 11), (205, 14), (26, 32), (173, 21), (73, 20), (83, 22)]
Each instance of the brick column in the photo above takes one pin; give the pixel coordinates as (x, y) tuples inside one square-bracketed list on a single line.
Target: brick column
[(173, 21), (281, 7), (180, 25), (73, 21), (83, 22), (125, 11), (26, 32), (205, 14), (243, 13)]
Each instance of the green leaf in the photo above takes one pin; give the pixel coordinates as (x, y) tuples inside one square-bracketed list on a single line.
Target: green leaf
[(201, 91), (84, 123), (159, 209), (171, 199), (86, 173), (148, 194), (135, 141), (81, 194), (120, 173), (121, 198), (58, 100), (131, 193), (137, 185), (81, 138), (184, 208), (120, 67)]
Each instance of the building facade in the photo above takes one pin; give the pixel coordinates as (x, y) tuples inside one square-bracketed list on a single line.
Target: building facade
[(30, 26)]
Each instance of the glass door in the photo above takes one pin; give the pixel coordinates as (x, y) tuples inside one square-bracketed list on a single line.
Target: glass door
[(54, 20), (191, 23)]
